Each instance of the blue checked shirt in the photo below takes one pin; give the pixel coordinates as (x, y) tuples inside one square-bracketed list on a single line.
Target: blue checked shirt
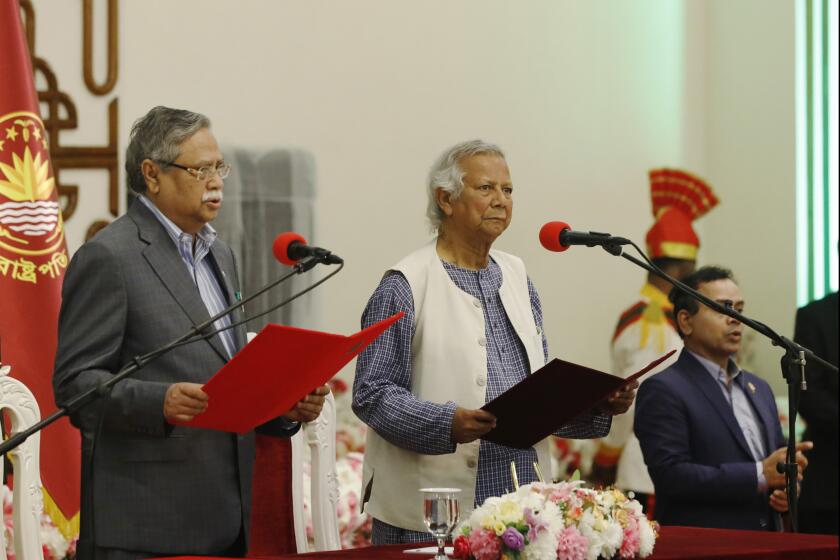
[(200, 269), (382, 395)]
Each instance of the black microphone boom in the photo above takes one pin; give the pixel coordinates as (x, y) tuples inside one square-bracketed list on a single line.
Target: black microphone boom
[(589, 238), (298, 251), (197, 332)]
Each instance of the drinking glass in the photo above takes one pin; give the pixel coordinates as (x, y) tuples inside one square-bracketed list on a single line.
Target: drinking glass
[(440, 514)]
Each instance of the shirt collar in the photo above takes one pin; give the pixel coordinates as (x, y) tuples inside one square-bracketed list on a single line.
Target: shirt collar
[(718, 372), (206, 235), (450, 266)]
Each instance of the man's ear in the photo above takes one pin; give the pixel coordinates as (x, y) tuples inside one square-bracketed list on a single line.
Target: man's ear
[(684, 322), (150, 171), (444, 200)]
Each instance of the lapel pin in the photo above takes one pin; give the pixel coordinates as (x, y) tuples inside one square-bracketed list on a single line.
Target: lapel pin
[(751, 386)]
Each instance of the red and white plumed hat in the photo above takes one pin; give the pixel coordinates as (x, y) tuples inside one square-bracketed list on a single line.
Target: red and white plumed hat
[(678, 199)]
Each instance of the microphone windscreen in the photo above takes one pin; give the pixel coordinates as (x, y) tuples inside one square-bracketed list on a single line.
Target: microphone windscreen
[(281, 247), (550, 236)]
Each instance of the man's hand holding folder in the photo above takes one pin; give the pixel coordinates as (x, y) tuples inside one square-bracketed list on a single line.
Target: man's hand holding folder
[(261, 383), (184, 401), (469, 425), (309, 407), (553, 396), (620, 401)]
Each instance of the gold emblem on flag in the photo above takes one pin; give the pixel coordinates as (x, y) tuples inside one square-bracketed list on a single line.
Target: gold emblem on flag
[(31, 226)]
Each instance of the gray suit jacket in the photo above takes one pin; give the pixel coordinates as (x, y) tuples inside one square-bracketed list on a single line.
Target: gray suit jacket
[(156, 488)]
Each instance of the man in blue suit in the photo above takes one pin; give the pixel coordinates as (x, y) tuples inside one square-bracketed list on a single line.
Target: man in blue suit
[(709, 431)]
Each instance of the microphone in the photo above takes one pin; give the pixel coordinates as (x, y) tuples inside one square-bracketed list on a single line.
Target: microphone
[(291, 247), (559, 236)]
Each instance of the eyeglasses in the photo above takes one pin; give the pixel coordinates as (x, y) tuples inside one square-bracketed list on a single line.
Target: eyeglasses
[(206, 172)]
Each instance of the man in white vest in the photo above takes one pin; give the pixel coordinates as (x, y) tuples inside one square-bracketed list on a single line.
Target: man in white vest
[(472, 329)]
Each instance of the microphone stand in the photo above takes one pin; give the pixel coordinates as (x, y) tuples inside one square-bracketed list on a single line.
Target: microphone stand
[(136, 363), (792, 363)]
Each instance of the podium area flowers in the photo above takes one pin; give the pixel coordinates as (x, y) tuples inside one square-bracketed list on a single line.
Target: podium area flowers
[(54, 545), (556, 521)]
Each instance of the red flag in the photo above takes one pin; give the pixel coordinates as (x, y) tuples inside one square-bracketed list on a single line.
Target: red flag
[(33, 256)]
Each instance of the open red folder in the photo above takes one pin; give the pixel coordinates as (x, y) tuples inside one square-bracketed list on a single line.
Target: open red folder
[(550, 397), (274, 371)]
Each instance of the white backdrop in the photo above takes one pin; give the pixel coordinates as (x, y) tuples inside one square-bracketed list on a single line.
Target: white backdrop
[(585, 97)]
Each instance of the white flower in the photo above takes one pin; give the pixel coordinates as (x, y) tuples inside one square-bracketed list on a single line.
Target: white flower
[(473, 521), (633, 506), (535, 501), (552, 515), (492, 502), (612, 534), (52, 538), (591, 528), (483, 517), (544, 547), (606, 500), (588, 521), (646, 538), (508, 510)]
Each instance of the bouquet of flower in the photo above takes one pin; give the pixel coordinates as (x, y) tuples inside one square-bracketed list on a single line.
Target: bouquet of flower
[(556, 521), (54, 545)]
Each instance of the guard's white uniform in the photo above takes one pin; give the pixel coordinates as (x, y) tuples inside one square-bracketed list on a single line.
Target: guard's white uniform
[(644, 332)]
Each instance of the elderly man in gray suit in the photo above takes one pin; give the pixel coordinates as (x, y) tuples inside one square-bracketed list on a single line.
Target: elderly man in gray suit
[(150, 486)]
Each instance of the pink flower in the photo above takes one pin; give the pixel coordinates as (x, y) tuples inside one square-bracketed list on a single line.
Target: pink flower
[(485, 545), (630, 544), (571, 544), (560, 495)]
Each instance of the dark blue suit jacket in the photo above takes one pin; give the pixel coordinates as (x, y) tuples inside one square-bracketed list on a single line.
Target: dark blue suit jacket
[(703, 472)]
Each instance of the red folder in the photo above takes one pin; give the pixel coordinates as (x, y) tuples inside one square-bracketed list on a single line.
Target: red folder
[(553, 395), (274, 371)]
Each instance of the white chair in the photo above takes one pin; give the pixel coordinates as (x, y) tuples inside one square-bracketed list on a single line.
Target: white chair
[(319, 436), (28, 502)]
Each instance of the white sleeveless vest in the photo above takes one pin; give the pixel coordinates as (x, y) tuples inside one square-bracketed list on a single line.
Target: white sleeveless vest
[(448, 363)]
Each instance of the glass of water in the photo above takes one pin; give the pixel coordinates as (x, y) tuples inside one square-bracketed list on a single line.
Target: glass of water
[(440, 513)]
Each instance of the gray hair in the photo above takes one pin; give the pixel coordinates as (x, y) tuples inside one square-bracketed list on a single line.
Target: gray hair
[(447, 174), (158, 136)]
